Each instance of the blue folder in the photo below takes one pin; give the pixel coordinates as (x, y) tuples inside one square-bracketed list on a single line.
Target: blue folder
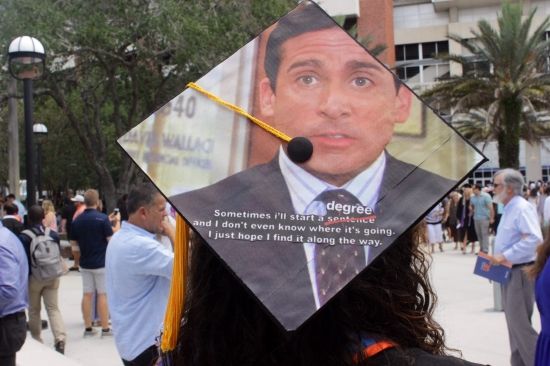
[(484, 268)]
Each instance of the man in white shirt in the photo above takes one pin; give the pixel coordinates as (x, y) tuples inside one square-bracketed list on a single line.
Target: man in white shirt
[(546, 213), (138, 273), (518, 235)]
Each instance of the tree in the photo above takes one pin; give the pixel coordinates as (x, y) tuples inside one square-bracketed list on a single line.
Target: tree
[(111, 63), (513, 92)]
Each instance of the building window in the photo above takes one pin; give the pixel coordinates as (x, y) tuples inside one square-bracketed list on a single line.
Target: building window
[(417, 63), (434, 49), (476, 67)]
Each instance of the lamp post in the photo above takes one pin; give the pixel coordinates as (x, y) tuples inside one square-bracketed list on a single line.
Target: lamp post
[(40, 130), (26, 62)]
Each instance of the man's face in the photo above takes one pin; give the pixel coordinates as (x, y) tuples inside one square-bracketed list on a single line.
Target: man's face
[(477, 191), (154, 214), (330, 90), (502, 193)]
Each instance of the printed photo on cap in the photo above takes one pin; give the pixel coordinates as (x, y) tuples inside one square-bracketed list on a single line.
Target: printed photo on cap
[(294, 230)]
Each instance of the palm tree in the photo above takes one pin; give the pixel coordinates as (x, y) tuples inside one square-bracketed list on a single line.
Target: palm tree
[(475, 125), (511, 94)]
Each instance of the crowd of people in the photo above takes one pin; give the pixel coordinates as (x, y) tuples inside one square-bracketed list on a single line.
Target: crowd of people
[(518, 215), (32, 263), (133, 299), (469, 215)]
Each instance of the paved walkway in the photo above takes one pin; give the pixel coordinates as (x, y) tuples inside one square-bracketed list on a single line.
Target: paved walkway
[(465, 311)]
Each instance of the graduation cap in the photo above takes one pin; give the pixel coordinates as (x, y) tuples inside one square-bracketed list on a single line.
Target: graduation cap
[(295, 222)]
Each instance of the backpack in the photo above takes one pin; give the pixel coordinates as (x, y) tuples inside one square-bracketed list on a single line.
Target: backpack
[(46, 261)]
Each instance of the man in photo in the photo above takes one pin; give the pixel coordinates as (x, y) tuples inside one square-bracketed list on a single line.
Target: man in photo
[(322, 85)]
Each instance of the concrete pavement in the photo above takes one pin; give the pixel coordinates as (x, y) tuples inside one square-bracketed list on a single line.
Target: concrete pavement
[(465, 310)]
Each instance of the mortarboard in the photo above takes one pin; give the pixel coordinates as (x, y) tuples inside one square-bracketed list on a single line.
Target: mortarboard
[(294, 228)]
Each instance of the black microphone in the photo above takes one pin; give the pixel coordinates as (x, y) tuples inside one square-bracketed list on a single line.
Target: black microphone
[(299, 150)]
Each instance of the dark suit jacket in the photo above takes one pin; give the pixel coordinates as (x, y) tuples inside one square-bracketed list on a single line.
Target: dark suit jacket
[(276, 272), (13, 225)]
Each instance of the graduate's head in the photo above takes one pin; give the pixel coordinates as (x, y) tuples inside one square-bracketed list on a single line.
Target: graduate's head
[(224, 324), (322, 85)]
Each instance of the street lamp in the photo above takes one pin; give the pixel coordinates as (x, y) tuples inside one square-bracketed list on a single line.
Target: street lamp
[(40, 130), (27, 61)]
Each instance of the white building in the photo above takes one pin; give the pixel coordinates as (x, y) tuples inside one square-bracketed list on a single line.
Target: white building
[(421, 28), (420, 32)]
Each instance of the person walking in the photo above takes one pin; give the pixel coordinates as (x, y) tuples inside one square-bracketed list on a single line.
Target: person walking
[(466, 230), (13, 296), (43, 289), (517, 237), (79, 208), (451, 218), (433, 226), (481, 209)]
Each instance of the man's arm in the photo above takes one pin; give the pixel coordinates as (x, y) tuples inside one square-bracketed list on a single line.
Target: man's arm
[(9, 277), (152, 258), (63, 226), (55, 237), (447, 210), (169, 230), (491, 210), (107, 229), (114, 218)]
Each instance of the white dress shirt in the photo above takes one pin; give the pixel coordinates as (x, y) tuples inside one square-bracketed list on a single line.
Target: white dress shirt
[(138, 274), (546, 211), (304, 188), (518, 232)]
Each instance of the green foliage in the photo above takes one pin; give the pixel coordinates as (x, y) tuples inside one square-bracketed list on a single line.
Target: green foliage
[(512, 94), (114, 62)]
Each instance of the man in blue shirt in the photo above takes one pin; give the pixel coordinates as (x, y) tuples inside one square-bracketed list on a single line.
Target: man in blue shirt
[(138, 270), (91, 231), (481, 207), (517, 237), (14, 272)]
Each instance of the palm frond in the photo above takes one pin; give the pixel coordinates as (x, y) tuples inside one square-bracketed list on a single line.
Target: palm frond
[(480, 100)]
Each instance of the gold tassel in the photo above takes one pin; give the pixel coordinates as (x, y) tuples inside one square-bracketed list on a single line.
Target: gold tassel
[(176, 301)]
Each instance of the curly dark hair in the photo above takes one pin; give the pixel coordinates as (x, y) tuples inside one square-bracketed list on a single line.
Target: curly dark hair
[(392, 299)]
